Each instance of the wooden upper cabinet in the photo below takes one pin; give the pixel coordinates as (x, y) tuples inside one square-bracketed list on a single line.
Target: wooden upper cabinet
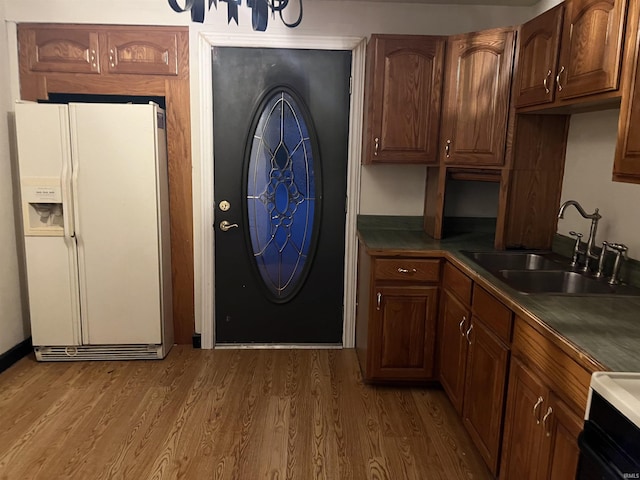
[(626, 167), (403, 97), (538, 58), (68, 50), (476, 97), (100, 49), (591, 47), (151, 53)]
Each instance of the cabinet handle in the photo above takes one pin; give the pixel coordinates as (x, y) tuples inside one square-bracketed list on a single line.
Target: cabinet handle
[(546, 82), (93, 58), (461, 325), (407, 271), (468, 334), (112, 56), (378, 301), (447, 148), (376, 146), (558, 78), (535, 410), (547, 432)]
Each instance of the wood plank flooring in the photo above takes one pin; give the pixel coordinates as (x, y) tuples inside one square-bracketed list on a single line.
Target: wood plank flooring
[(225, 414)]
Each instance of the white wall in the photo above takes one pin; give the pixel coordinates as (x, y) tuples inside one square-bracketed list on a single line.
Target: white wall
[(587, 179), (13, 326)]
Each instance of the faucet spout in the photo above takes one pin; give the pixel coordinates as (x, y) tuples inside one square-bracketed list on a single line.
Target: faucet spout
[(594, 216), (589, 252)]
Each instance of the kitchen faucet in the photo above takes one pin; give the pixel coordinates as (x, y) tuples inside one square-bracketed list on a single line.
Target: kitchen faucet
[(588, 252)]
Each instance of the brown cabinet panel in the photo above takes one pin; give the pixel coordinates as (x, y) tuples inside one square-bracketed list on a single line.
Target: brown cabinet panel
[(484, 395), (139, 52), (591, 47), (404, 83), (526, 405), (541, 431), (457, 283), (455, 320), (51, 49), (626, 167), (404, 332), (476, 99), (493, 313), (396, 317), (561, 450), (538, 57), (425, 270)]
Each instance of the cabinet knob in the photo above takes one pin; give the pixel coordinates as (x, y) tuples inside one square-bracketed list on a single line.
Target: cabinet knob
[(376, 146)]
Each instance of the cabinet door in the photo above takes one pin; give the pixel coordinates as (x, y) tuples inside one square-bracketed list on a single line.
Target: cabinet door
[(484, 393), (476, 98), (626, 167), (527, 401), (404, 333), (590, 54), (454, 322), (143, 52), (560, 448), (539, 44), (56, 49), (404, 83)]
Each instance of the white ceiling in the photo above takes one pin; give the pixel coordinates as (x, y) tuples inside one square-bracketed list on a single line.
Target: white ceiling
[(509, 3)]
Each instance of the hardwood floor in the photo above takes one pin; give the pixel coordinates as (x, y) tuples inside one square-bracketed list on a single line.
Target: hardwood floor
[(225, 414)]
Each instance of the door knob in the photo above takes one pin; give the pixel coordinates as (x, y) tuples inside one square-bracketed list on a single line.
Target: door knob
[(224, 225)]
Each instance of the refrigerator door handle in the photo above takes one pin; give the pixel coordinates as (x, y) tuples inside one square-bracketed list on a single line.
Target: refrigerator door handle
[(66, 176)]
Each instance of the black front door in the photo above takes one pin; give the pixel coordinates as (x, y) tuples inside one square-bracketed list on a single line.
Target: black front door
[(281, 120)]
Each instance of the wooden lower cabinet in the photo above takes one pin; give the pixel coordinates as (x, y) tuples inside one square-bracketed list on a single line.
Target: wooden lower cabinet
[(473, 359), (455, 320), (484, 395), (397, 305), (403, 323), (541, 431)]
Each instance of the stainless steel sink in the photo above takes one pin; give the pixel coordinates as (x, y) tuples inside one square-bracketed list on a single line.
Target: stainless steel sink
[(562, 283), (506, 260), (544, 273)]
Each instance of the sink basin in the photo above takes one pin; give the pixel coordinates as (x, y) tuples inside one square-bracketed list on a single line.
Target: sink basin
[(562, 283), (506, 260)]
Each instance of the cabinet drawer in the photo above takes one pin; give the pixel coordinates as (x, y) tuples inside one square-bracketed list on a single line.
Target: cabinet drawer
[(457, 283), (143, 52), (561, 372), (493, 313), (424, 270)]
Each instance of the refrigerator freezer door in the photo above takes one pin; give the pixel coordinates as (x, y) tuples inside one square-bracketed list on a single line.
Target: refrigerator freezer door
[(44, 159), (53, 291), (114, 151)]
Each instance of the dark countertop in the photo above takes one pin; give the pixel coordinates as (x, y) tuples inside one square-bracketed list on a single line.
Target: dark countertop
[(605, 328)]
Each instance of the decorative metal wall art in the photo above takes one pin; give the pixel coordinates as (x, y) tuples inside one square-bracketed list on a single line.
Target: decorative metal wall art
[(259, 10)]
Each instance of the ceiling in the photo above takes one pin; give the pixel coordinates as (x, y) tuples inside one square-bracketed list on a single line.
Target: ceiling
[(508, 3)]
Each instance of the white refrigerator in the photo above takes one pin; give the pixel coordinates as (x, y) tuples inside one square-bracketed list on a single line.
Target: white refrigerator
[(95, 206)]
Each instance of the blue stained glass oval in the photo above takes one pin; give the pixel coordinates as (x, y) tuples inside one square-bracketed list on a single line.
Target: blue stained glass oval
[(281, 194)]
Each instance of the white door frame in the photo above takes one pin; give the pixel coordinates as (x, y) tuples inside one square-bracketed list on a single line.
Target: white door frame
[(205, 264)]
